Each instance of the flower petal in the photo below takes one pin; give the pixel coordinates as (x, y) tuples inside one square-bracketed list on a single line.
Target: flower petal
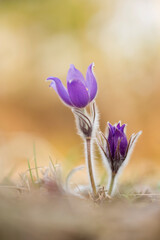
[(122, 128), (123, 145), (111, 133), (78, 93), (91, 82), (111, 128), (118, 135), (119, 125), (75, 74), (57, 85)]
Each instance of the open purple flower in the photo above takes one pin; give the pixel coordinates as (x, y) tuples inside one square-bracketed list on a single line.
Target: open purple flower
[(116, 147), (80, 91)]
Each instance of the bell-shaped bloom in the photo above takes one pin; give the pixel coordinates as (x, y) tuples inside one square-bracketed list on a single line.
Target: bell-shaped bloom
[(116, 147), (80, 91)]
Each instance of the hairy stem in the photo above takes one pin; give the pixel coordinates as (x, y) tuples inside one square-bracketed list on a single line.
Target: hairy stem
[(89, 164), (111, 184)]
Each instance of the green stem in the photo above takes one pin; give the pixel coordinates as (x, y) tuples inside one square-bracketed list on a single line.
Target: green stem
[(30, 171), (111, 184), (35, 161), (89, 164)]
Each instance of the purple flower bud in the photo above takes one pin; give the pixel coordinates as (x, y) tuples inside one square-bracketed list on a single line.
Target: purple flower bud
[(79, 92), (117, 140), (116, 147)]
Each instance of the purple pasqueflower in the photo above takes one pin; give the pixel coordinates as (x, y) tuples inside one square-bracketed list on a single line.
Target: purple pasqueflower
[(116, 147), (80, 91), (117, 140)]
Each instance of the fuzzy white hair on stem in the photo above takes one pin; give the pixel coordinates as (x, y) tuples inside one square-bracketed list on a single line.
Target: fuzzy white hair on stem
[(87, 124)]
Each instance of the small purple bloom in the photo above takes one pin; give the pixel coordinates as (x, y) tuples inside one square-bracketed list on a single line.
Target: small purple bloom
[(80, 91), (116, 147), (117, 140)]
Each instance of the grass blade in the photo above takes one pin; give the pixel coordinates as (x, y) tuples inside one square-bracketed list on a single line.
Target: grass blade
[(35, 161), (30, 171)]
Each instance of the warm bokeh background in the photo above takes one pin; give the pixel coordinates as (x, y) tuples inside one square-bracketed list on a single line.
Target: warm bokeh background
[(41, 38)]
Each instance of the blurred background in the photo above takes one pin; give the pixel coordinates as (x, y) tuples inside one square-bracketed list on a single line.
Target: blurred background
[(42, 38)]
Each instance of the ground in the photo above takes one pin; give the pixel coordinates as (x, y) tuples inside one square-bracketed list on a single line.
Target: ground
[(47, 213)]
